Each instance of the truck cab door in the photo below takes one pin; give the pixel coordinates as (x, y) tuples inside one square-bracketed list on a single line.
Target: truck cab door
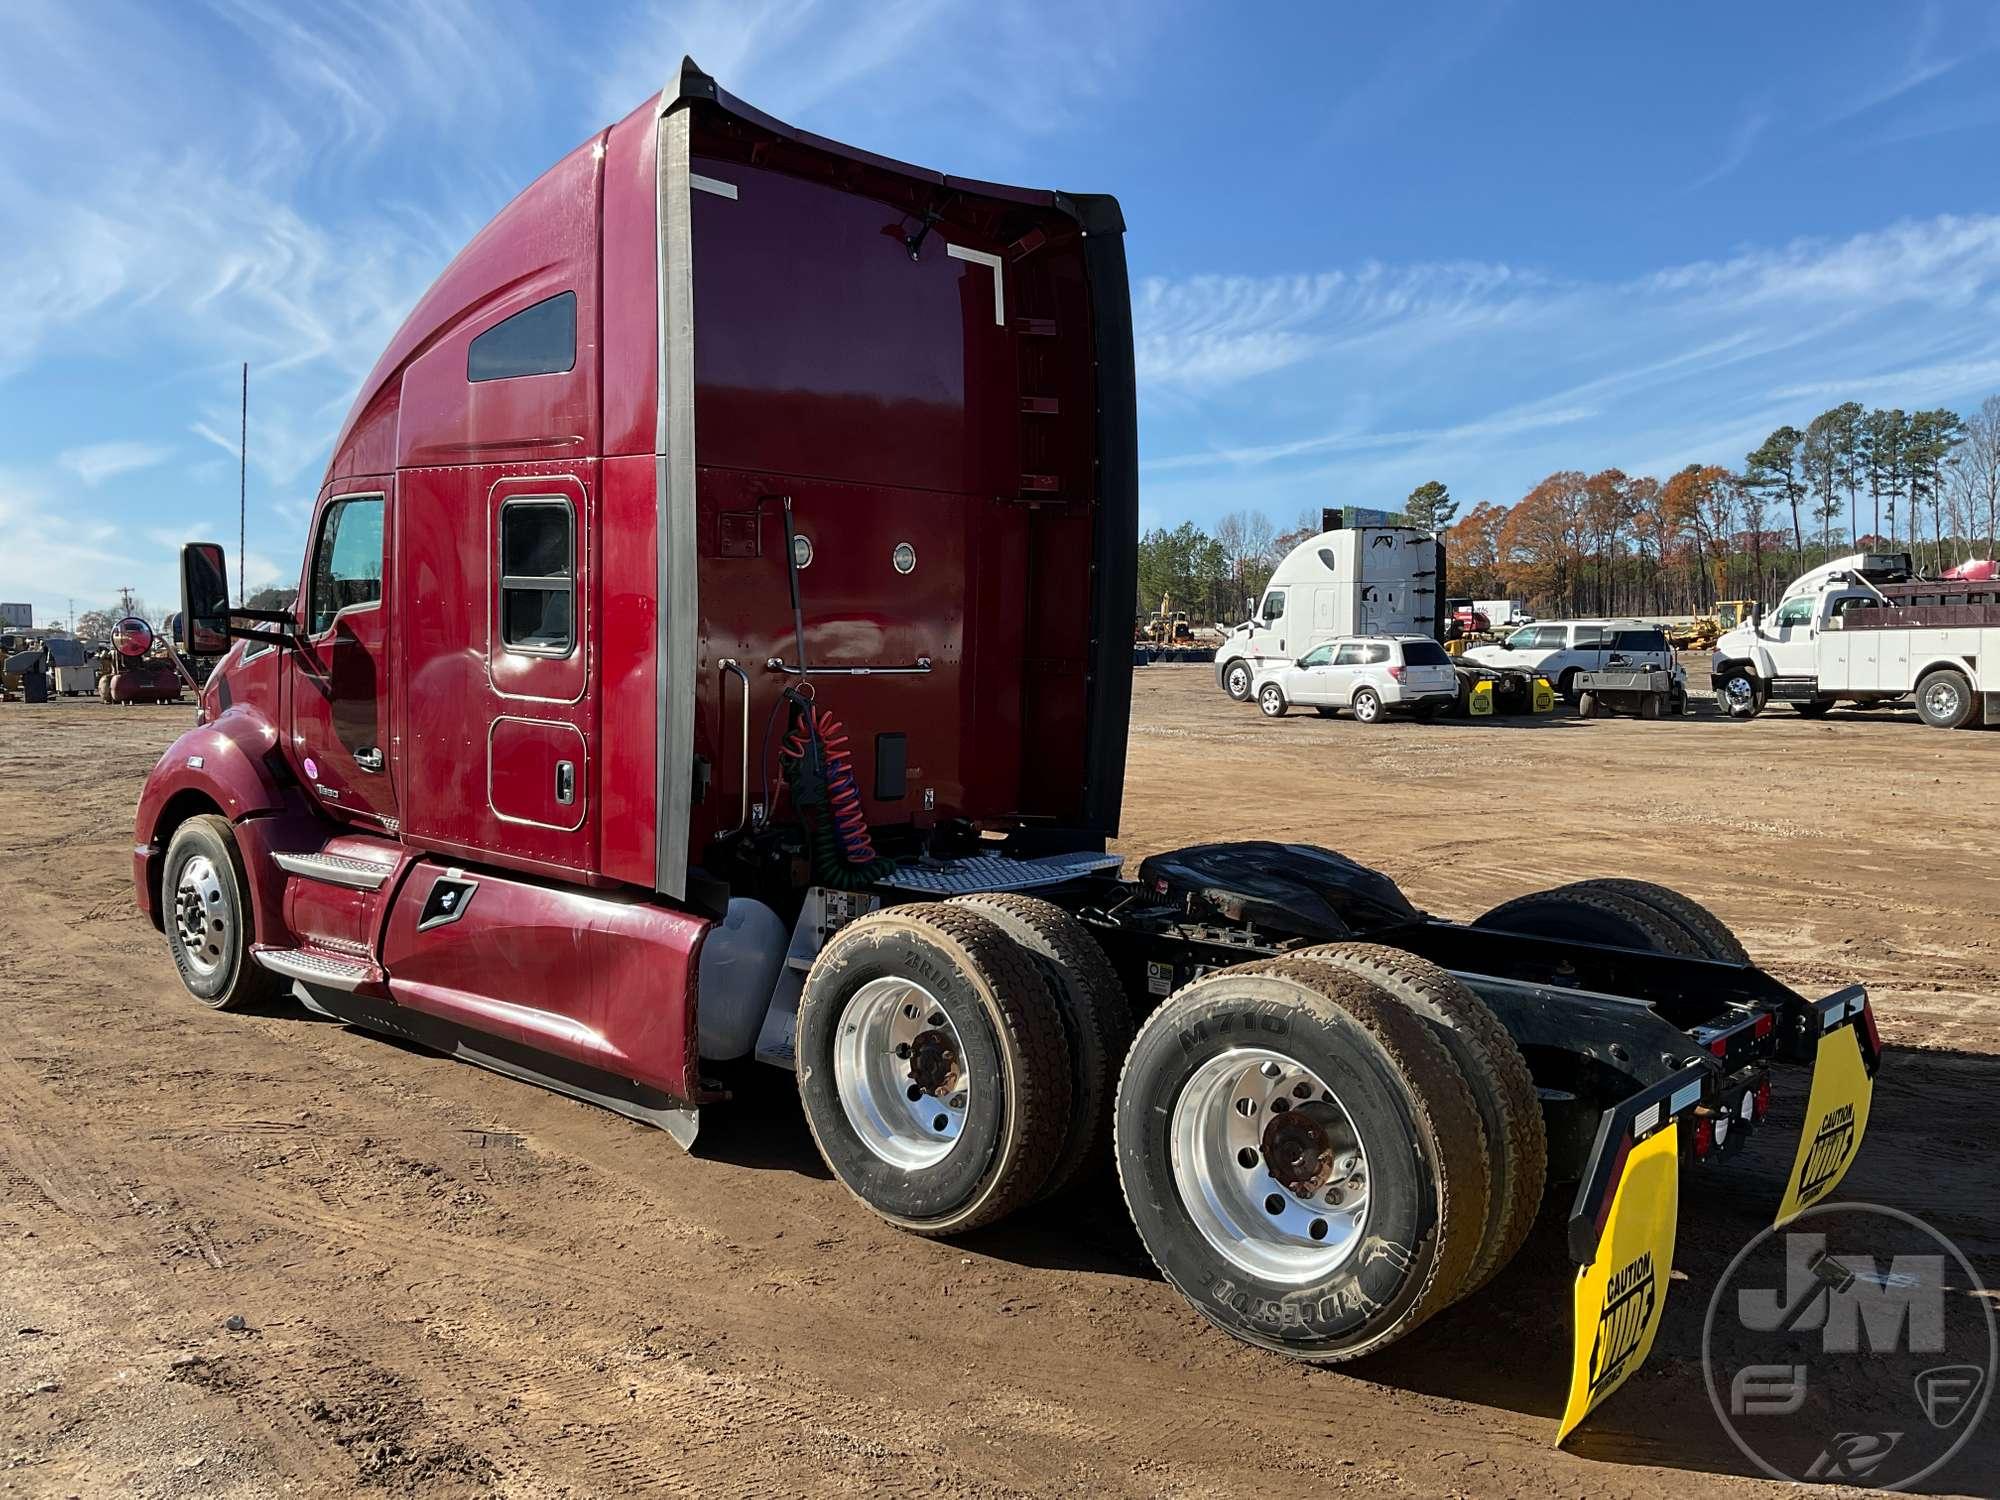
[(339, 690), (1790, 639), (1269, 638)]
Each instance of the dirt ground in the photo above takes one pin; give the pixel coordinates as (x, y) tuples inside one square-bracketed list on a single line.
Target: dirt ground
[(264, 1254)]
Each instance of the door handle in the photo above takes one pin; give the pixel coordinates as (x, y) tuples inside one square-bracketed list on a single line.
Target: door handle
[(369, 759), (565, 782)]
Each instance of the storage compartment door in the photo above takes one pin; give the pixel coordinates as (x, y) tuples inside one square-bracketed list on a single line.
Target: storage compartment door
[(536, 772)]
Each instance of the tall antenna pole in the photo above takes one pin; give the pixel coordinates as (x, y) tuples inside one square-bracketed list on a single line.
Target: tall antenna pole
[(242, 480)]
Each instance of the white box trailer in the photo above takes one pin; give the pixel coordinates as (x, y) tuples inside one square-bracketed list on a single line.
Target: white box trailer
[(1363, 580), (1501, 613)]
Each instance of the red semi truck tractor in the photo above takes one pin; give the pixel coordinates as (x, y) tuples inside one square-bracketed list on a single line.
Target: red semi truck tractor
[(712, 644)]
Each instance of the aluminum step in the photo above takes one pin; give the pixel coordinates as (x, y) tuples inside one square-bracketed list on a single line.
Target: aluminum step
[(337, 869), (325, 969)]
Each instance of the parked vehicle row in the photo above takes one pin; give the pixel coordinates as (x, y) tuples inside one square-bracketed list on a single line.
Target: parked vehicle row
[(1558, 650)]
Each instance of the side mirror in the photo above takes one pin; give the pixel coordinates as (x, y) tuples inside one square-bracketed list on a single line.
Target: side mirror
[(1756, 616), (203, 626)]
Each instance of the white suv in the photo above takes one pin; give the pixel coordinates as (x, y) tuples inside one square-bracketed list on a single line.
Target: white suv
[(1369, 676), (1559, 651)]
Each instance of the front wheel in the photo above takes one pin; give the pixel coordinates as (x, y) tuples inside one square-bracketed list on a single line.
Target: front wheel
[(1367, 707), (1271, 699), (1236, 680), (1945, 701), (1739, 695), (207, 912)]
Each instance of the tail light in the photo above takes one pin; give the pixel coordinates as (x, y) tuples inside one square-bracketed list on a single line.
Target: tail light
[(1395, 674), (1704, 1135), (1874, 1036), (1763, 1104)]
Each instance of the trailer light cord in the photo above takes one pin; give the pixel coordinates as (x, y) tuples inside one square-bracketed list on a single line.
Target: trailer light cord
[(820, 770)]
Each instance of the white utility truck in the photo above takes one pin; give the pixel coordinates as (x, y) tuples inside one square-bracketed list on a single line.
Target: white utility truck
[(1865, 630), (1363, 580)]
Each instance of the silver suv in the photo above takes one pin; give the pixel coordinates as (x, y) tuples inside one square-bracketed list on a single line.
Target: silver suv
[(1369, 676)]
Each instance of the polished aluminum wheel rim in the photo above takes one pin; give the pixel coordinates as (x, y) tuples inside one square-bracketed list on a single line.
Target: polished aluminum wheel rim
[(1239, 680), (1739, 692), (201, 916), (899, 1069), (1942, 700), (1269, 1166)]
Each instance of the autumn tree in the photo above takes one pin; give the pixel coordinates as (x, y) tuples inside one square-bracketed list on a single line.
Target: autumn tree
[(1430, 506), (1472, 551)]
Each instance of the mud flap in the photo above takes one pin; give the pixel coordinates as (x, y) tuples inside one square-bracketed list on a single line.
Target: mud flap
[(1621, 1234), (1843, 1086)]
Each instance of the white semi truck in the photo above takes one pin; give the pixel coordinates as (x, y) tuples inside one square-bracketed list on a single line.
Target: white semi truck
[(1362, 580), (1865, 630)]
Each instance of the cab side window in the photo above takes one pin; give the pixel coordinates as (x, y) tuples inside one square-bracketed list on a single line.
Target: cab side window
[(1795, 612), (1274, 607), (538, 575), (538, 340), (347, 561)]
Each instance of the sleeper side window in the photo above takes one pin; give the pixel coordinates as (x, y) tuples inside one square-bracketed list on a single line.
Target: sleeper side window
[(347, 561), (538, 576), (538, 340)]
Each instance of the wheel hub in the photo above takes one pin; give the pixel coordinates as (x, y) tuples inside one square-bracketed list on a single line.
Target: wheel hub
[(899, 1071), (201, 916), (1298, 1150), (1269, 1166), (934, 1063)]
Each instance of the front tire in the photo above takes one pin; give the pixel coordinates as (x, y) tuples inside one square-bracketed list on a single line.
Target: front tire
[(1738, 693), (1236, 680), (1282, 1126), (1945, 700), (933, 1068), (1271, 701), (206, 909)]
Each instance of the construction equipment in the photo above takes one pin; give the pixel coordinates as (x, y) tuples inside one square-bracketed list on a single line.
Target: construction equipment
[(551, 746)]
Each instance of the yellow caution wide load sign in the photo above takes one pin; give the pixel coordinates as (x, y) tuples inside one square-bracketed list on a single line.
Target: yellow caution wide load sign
[(1843, 1086), (1621, 1234), (1482, 698)]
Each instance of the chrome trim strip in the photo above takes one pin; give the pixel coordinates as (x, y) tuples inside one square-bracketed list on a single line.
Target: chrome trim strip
[(730, 664), (674, 476), (713, 185), (985, 258), (325, 868), (919, 668)]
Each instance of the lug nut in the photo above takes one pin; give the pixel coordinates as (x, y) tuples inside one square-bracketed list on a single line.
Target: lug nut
[(958, 1101), (1271, 1070)]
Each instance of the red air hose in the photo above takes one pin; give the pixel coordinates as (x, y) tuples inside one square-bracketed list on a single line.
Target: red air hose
[(813, 726)]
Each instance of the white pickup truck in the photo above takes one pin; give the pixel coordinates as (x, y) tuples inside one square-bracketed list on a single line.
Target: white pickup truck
[(1863, 630)]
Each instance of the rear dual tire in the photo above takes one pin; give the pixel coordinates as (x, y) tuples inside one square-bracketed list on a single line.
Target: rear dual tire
[(1621, 914), (1303, 1157), (933, 1067)]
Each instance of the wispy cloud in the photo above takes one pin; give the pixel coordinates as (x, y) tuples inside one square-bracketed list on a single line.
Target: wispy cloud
[(1691, 362), (101, 461), (1742, 141)]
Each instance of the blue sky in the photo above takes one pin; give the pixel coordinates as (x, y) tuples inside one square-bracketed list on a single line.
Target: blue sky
[(1370, 245)]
